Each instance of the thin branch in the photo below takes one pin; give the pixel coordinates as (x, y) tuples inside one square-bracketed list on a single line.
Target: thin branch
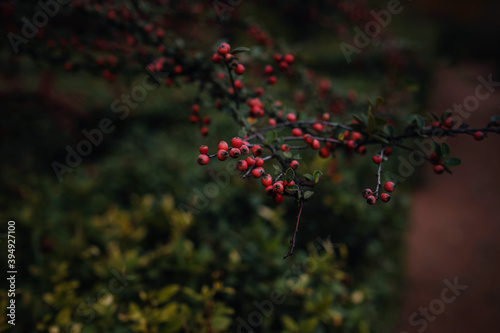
[(379, 173), (296, 229)]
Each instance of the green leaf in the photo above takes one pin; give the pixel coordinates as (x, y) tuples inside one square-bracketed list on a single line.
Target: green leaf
[(437, 149), (166, 293), (445, 115), (317, 175), (290, 175), (287, 154), (308, 176), (292, 188), (289, 323), (379, 101), (372, 124), (297, 157), (379, 138), (445, 150), (308, 194), (434, 116), (271, 136), (447, 170), (380, 122), (418, 120), (389, 130), (240, 50), (495, 118), (360, 120), (308, 325), (452, 161), (242, 133)]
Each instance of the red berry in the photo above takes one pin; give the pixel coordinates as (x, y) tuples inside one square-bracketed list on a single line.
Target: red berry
[(294, 164), (239, 69), (366, 193), (289, 58), (223, 145), (268, 70), (223, 49), (216, 58), (236, 142), (297, 132), (277, 57), (389, 186), (325, 116), (204, 150), (376, 159), (195, 109), (258, 172), (283, 65), (278, 187), (259, 91), (478, 135), (238, 84), (229, 57), (222, 155), (291, 117), (318, 127), (278, 198), (272, 80), (449, 122), (362, 150), (257, 150), (241, 165), (250, 160), (387, 151), (351, 145), (434, 157), (371, 200), (271, 122), (315, 144), (385, 197), (204, 131), (285, 147), (356, 136), (234, 153), (259, 161), (244, 149), (439, 169), (193, 119), (202, 159), (269, 190), (178, 69), (324, 152), (206, 120), (267, 180), (308, 138)]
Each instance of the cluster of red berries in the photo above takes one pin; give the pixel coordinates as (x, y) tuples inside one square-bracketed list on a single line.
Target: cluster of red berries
[(371, 198), (195, 119), (223, 54)]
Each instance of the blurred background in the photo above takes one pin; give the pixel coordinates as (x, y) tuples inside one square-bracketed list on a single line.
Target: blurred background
[(136, 237)]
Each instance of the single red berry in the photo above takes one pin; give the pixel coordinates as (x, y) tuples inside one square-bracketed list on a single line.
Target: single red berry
[(258, 172), (202, 159), (278, 187), (325, 116), (244, 150), (324, 152), (366, 193), (291, 117), (178, 69), (297, 132), (235, 153), (193, 119), (449, 122), (434, 157), (294, 164), (362, 150), (242, 165), (267, 180), (435, 124), (259, 161), (250, 160), (376, 159), (315, 144), (283, 65), (223, 145), (271, 122), (257, 150), (238, 84), (268, 70), (356, 136), (351, 145), (259, 91), (318, 127), (236, 142), (272, 80), (289, 59), (222, 155), (229, 57), (308, 138), (239, 69), (385, 197), (278, 198), (204, 150), (277, 57), (216, 58), (223, 49), (204, 131), (195, 109), (387, 151), (439, 169), (389, 186), (269, 190), (206, 120), (371, 200), (285, 147), (478, 135)]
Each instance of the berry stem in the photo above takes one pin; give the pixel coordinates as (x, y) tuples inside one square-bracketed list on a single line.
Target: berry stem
[(379, 173), (296, 229)]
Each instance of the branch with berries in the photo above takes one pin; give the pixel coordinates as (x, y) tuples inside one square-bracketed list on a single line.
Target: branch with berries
[(262, 143)]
